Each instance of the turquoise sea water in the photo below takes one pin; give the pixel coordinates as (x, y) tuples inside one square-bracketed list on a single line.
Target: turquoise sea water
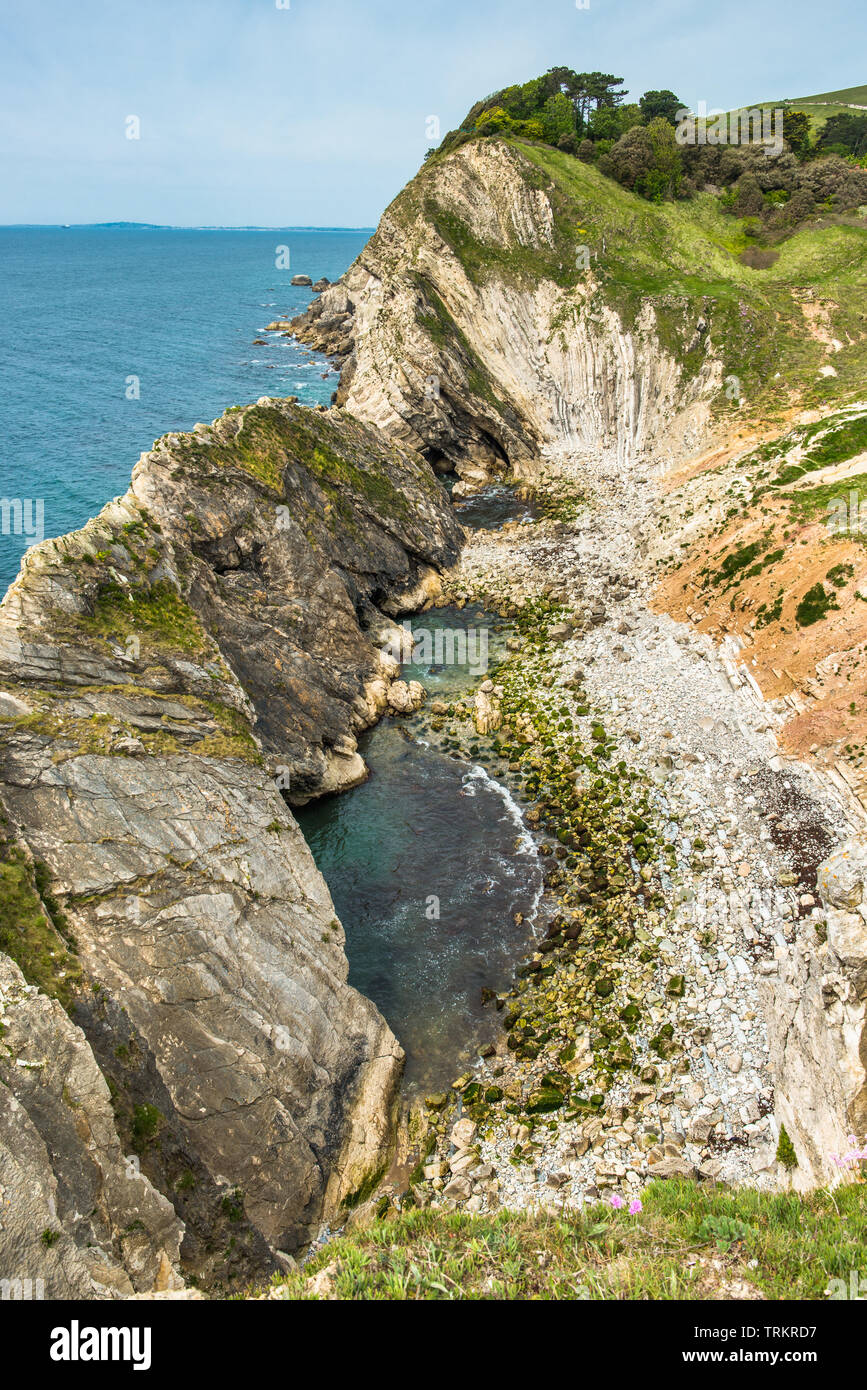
[(428, 863), (82, 310)]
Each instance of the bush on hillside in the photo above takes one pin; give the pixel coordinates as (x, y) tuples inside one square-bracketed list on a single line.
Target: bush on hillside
[(647, 160)]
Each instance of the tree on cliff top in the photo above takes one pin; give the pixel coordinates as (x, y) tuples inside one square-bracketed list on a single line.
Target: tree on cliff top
[(662, 103), (582, 92)]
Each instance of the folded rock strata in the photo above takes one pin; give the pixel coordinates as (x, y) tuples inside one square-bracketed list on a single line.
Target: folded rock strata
[(462, 330)]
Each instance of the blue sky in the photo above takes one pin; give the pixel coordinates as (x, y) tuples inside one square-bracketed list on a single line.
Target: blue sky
[(315, 114)]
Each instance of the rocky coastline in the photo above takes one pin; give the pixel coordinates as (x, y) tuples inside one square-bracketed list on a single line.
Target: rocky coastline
[(199, 656), (178, 1038)]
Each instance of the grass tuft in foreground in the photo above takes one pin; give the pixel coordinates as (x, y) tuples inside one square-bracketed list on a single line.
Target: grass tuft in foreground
[(688, 1242)]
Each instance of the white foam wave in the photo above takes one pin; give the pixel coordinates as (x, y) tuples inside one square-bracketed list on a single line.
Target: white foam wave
[(479, 777)]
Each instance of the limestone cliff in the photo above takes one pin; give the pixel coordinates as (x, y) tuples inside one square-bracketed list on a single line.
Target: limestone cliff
[(475, 325), (195, 655)]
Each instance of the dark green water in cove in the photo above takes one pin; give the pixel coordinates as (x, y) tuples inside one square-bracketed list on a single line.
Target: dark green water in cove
[(494, 505), (427, 862)]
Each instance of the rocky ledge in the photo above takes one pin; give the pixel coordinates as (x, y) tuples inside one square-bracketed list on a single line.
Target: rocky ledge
[(203, 651)]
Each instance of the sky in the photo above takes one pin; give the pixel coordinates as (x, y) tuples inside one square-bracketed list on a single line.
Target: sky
[(316, 112)]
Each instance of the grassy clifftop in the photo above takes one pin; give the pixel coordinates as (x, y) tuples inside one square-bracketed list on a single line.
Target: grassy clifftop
[(682, 256), (686, 1243)]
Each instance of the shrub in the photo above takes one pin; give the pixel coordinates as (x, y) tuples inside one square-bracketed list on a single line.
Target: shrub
[(494, 122), (786, 1150), (814, 606)]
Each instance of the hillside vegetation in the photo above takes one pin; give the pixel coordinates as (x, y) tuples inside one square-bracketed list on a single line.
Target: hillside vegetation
[(654, 147)]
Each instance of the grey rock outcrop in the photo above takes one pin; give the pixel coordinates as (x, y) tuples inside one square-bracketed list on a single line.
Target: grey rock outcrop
[(263, 548), (194, 656), (816, 1007)]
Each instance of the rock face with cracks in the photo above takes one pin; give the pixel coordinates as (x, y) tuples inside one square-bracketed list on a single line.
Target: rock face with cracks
[(460, 333), (76, 1213), (199, 653), (817, 1004)]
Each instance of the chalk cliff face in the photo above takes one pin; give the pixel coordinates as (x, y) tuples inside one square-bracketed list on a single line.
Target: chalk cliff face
[(202, 646), (470, 328)]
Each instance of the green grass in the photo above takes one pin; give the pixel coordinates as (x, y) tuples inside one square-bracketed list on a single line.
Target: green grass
[(811, 502), (258, 447), (821, 107), (30, 935), (271, 440), (841, 441), (850, 96), (787, 1246), (73, 736), (157, 612)]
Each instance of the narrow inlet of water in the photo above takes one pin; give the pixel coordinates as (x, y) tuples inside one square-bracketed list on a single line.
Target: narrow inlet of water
[(428, 863), (493, 506)]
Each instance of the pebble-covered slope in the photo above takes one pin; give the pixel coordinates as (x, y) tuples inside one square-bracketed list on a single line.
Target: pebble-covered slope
[(699, 985)]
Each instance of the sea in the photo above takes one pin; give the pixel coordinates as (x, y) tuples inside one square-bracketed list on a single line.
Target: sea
[(111, 336)]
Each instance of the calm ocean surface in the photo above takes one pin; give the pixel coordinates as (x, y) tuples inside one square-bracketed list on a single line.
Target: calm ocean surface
[(84, 309)]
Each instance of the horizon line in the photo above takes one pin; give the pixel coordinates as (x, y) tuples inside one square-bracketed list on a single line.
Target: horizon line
[(185, 226)]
